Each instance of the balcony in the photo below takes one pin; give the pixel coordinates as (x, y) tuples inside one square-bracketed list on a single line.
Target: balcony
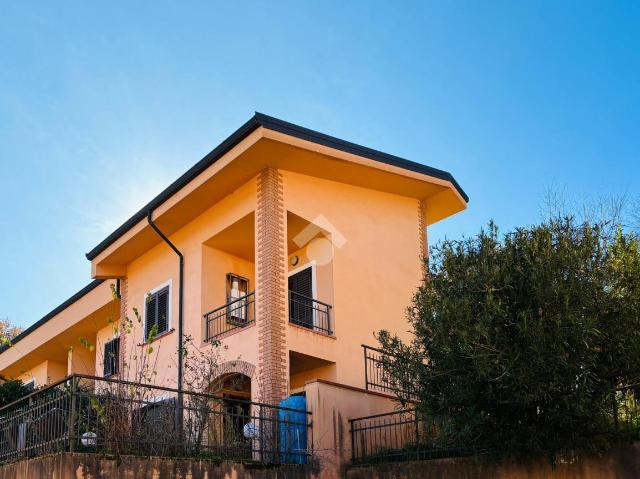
[(304, 311), (310, 313), (378, 378), (236, 314)]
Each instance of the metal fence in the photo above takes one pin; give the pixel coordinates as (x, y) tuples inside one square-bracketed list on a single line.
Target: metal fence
[(626, 410), (310, 313), (401, 435), (238, 313), (376, 375), (405, 435), (90, 414)]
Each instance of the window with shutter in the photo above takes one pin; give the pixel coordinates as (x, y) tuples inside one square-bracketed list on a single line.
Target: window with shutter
[(157, 312), (111, 352), (301, 310)]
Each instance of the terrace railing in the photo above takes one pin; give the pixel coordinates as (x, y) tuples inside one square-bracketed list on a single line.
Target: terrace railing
[(405, 435), (236, 314), (377, 377), (310, 313), (400, 436), (91, 414)]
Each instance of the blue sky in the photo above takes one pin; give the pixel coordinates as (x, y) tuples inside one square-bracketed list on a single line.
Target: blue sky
[(102, 104)]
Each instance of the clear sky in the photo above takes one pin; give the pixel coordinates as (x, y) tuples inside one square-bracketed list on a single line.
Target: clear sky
[(103, 104)]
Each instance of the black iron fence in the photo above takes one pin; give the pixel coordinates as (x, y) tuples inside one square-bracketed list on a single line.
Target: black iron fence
[(310, 313), (377, 376), (401, 435), (90, 414), (405, 435), (626, 410), (238, 313)]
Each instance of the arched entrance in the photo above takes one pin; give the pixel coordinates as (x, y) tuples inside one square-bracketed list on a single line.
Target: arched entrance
[(233, 388)]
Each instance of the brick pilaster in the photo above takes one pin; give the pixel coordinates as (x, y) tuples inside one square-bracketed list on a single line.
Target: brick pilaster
[(124, 299), (422, 230), (271, 302)]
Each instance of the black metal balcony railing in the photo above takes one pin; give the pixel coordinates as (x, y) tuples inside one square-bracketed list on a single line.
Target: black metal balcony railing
[(310, 313), (106, 416), (238, 313), (377, 377)]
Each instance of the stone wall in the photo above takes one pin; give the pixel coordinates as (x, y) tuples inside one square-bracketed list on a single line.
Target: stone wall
[(93, 466), (623, 463)]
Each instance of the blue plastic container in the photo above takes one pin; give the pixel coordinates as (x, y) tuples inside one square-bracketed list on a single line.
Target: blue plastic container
[(293, 430)]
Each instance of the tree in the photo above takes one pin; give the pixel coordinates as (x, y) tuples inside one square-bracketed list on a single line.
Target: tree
[(8, 331), (521, 339), (12, 390)]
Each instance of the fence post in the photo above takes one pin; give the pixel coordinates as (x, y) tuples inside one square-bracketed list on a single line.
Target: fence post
[(277, 438), (366, 373), (615, 410), (72, 416), (353, 440), (261, 430)]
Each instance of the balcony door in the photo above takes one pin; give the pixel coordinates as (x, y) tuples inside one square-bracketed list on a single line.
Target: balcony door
[(301, 295)]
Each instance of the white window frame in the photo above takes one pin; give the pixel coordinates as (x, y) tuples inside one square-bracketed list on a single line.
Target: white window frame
[(314, 286), (115, 336), (169, 283), (314, 283), (31, 381)]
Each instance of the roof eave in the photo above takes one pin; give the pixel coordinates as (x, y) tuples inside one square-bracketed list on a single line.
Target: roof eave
[(275, 124)]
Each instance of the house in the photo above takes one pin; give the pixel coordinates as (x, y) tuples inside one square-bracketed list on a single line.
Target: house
[(288, 246)]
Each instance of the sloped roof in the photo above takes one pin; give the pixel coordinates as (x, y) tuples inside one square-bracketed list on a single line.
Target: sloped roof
[(270, 123)]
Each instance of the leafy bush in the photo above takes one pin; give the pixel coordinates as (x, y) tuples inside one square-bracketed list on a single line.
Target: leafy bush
[(521, 339), (12, 390)]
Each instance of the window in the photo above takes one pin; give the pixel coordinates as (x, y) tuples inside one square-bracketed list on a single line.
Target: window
[(237, 287), (157, 310), (30, 385), (301, 297), (111, 353)]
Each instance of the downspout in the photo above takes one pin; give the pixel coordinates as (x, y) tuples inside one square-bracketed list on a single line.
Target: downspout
[(180, 295)]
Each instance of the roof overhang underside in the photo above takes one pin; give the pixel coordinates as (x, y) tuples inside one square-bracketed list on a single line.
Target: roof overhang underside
[(263, 148)]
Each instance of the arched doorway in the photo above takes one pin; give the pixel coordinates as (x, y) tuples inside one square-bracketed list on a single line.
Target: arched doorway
[(233, 410)]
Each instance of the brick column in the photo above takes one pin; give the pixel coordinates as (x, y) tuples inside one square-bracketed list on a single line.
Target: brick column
[(271, 290), (422, 231), (124, 299)]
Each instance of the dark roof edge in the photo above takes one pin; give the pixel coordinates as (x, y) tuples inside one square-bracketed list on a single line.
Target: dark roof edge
[(235, 138), (275, 124), (87, 289)]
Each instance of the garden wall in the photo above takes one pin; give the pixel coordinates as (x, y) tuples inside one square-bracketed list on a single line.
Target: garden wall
[(623, 463), (94, 466)]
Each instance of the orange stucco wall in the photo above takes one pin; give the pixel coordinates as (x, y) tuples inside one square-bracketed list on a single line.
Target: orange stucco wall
[(368, 277), (46, 372), (369, 281), (375, 272), (45, 353), (331, 406), (204, 285)]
